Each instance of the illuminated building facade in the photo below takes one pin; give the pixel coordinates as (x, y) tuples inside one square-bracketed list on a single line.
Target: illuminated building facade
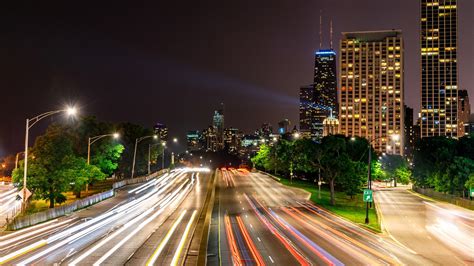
[(464, 111), (161, 130), (439, 78), (371, 81), (318, 99)]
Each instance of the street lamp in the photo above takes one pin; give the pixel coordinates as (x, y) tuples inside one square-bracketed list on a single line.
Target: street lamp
[(70, 111), (137, 140), (175, 140), (296, 135), (394, 137), (91, 140)]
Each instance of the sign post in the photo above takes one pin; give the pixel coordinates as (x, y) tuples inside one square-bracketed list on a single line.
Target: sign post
[(368, 197)]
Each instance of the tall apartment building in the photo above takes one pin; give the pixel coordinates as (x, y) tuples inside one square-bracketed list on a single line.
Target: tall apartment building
[(439, 78), (464, 112), (371, 81)]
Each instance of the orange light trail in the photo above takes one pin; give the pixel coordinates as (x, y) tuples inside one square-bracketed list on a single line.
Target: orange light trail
[(237, 260), (255, 254)]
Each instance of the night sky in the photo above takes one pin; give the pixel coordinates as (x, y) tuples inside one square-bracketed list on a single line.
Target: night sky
[(174, 63)]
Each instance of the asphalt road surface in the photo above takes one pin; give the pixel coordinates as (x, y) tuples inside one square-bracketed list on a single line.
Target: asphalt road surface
[(113, 231), (440, 232), (257, 221)]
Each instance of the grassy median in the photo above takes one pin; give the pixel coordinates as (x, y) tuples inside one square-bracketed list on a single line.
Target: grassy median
[(351, 209)]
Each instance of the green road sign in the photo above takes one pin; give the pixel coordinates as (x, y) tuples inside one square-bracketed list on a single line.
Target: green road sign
[(472, 192), (368, 195)]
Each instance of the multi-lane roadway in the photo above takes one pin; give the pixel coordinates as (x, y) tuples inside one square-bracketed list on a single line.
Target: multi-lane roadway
[(440, 232), (255, 221), (258, 221), (145, 224)]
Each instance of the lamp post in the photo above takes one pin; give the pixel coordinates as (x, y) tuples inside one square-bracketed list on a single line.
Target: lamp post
[(394, 137), (163, 155), (91, 141), (70, 111), (17, 157), (137, 140)]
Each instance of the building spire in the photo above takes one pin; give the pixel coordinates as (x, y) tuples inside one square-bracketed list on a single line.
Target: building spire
[(330, 33), (320, 29)]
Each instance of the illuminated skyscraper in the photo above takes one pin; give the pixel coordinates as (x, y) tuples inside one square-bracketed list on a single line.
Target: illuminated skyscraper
[(439, 78), (464, 111), (371, 80), (318, 99)]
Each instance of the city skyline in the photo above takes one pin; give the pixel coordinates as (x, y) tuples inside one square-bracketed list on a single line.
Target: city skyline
[(50, 69)]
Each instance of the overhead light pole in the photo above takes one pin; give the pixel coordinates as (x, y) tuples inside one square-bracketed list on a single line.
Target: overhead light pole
[(394, 137), (70, 111), (91, 141), (137, 140)]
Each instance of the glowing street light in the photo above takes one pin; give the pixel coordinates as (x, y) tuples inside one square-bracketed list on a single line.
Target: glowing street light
[(296, 135), (91, 141), (175, 140), (70, 111)]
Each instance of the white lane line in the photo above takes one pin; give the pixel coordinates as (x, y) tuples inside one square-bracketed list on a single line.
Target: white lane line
[(258, 238), (163, 243), (270, 257), (177, 254)]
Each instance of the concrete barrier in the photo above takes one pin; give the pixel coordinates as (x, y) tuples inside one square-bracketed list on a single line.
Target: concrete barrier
[(39, 217), (270, 175)]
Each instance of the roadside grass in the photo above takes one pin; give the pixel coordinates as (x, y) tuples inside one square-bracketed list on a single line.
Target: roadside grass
[(40, 205), (351, 209)]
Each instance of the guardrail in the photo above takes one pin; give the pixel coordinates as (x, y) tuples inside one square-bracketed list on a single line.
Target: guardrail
[(36, 218), (39, 217), (465, 203)]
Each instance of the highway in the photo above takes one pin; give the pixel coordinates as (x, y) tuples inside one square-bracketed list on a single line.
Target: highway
[(130, 227), (9, 204), (261, 222), (440, 232)]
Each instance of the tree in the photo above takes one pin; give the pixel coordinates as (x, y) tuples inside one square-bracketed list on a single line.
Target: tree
[(335, 162), (456, 176), (49, 156), (432, 157), (470, 182), (77, 170), (261, 159), (391, 163)]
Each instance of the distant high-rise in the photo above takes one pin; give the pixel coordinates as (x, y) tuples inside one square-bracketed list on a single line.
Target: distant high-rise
[(371, 80), (464, 111), (320, 98), (194, 140), (410, 134), (161, 130), (218, 124), (284, 126), (439, 78), (306, 110)]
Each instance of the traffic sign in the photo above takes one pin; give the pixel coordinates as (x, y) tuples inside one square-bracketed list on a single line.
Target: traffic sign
[(21, 193), (368, 195)]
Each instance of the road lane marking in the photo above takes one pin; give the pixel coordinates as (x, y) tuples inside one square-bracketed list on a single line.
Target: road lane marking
[(165, 240), (270, 257), (175, 260)]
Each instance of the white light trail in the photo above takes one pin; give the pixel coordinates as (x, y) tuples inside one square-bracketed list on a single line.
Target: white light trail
[(183, 238)]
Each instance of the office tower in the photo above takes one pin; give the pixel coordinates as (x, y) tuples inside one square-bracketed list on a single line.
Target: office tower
[(306, 110), (464, 111), (194, 140), (232, 139), (371, 80), (161, 130), (330, 126), (410, 135), (218, 124), (439, 79), (320, 98), (284, 126)]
